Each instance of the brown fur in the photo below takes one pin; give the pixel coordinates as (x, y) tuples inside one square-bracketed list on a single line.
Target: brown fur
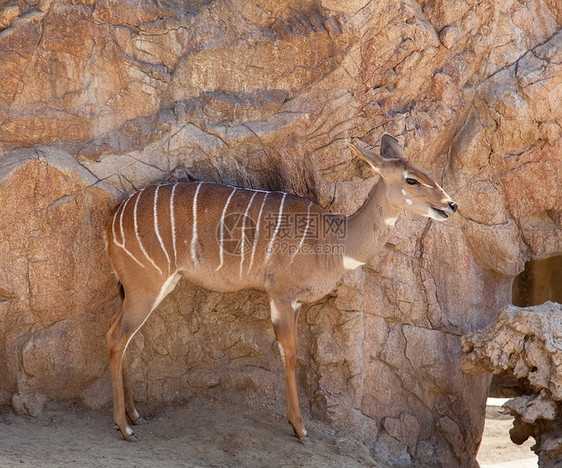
[(150, 249)]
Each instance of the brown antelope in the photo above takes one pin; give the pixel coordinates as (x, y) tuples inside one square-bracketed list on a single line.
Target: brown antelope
[(287, 246)]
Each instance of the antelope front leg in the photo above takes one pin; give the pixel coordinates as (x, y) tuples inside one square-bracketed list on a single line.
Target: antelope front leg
[(284, 318)]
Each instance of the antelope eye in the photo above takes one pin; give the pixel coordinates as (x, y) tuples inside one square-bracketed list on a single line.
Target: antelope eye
[(411, 181)]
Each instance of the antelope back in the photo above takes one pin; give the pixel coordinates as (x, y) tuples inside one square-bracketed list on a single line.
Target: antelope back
[(214, 234)]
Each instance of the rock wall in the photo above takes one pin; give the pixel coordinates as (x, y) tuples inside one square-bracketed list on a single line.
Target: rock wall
[(101, 98)]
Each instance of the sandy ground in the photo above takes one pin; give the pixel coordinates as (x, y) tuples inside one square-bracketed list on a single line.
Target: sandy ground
[(198, 433), (497, 450), (205, 433)]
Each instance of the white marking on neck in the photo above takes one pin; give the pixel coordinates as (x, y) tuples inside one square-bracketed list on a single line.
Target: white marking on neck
[(221, 251), (173, 222), (135, 219), (350, 263), (122, 244), (156, 230), (304, 233), (390, 221), (243, 237), (279, 217), (257, 232), (194, 231)]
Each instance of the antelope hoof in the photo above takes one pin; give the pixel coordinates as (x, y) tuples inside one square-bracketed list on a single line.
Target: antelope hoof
[(132, 438), (140, 422), (305, 441)]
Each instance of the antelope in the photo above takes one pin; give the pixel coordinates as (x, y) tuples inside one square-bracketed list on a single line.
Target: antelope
[(163, 233)]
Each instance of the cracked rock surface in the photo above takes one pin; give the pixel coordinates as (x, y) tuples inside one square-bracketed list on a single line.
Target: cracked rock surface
[(526, 343), (100, 98)]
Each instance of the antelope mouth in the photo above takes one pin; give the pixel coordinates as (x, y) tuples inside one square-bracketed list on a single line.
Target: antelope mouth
[(438, 214)]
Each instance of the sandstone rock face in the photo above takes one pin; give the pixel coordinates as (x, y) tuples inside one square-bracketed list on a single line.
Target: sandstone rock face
[(525, 343), (101, 98)]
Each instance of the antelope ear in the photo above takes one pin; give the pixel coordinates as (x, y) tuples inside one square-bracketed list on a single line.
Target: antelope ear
[(390, 148), (375, 162)]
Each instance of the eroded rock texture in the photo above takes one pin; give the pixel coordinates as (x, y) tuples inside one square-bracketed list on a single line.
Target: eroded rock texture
[(526, 343), (101, 98)]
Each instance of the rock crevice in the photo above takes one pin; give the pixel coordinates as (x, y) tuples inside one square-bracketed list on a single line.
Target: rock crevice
[(524, 343)]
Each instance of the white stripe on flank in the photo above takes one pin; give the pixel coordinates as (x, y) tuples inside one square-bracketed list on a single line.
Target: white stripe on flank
[(279, 217), (221, 251), (194, 233), (243, 236), (113, 223), (122, 244), (138, 235), (166, 289), (304, 234), (155, 209), (257, 232), (173, 222)]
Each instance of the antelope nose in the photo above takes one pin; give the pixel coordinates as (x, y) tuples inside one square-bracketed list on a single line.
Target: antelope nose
[(453, 206)]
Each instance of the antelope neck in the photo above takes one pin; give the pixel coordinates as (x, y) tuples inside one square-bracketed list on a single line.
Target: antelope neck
[(369, 228)]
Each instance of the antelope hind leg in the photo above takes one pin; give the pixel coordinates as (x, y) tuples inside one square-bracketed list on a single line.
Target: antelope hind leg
[(116, 343), (134, 313), (130, 409)]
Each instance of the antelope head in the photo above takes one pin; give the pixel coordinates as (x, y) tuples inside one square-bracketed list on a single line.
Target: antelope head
[(409, 187)]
